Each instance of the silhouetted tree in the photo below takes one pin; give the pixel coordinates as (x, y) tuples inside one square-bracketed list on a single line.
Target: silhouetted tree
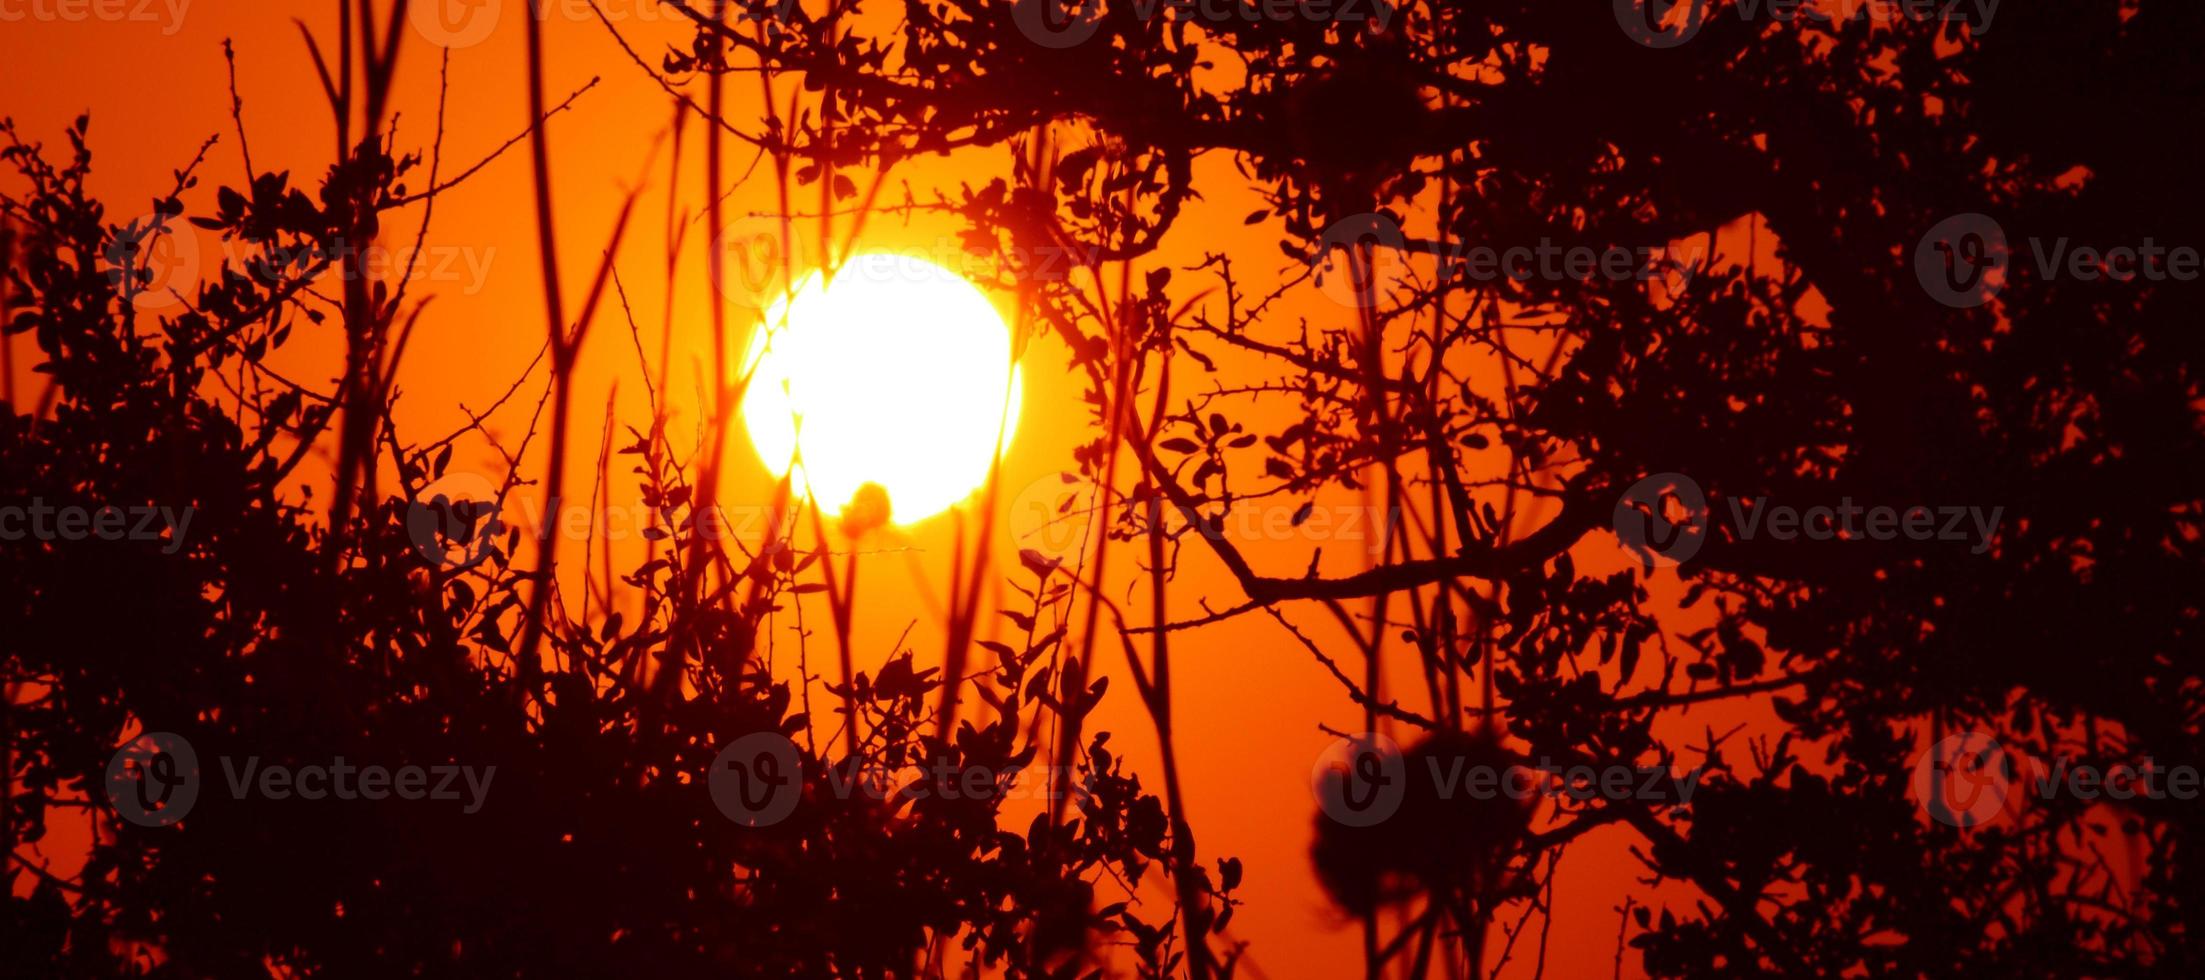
[(1825, 196), (1806, 355), (263, 630)]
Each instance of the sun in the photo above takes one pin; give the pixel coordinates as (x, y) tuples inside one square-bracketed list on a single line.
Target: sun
[(895, 372)]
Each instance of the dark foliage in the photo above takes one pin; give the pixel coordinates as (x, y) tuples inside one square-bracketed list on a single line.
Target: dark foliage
[(2072, 402), (1506, 416), (260, 635)]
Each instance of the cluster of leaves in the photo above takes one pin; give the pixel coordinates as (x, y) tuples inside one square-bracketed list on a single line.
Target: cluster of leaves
[(1824, 376), (264, 633)]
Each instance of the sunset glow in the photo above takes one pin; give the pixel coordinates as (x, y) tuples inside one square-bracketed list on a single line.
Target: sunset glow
[(895, 373), (1511, 491)]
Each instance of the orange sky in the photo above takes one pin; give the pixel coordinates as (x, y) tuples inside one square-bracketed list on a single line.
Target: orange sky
[(1249, 697)]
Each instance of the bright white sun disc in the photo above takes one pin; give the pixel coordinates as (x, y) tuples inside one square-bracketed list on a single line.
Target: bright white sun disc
[(897, 372)]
